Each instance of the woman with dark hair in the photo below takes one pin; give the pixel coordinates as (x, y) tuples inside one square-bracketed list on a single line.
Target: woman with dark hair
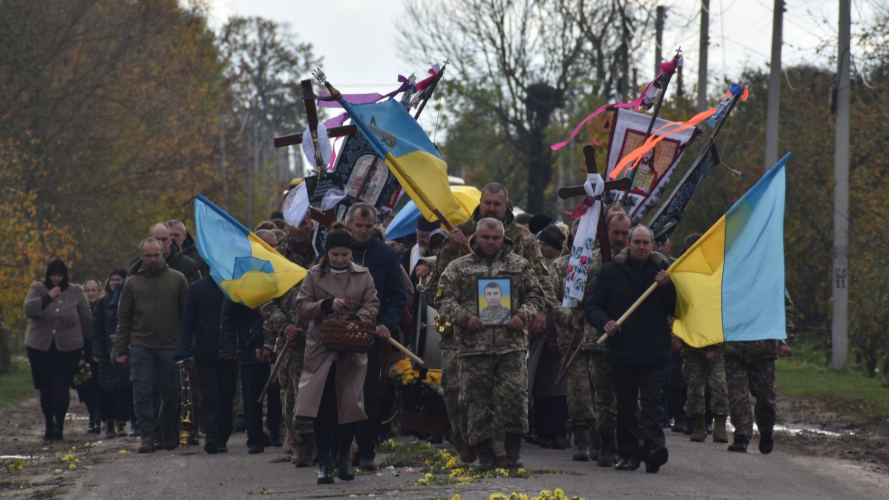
[(59, 317), (331, 388), (117, 399)]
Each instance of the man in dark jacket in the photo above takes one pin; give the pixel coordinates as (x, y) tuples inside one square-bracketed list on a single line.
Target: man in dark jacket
[(638, 350), (187, 245), (151, 305), (382, 262), (217, 377), (240, 338), (173, 255)]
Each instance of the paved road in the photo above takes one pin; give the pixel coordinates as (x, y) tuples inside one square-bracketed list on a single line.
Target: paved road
[(695, 471)]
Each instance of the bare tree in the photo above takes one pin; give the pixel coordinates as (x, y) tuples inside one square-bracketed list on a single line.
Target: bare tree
[(520, 61)]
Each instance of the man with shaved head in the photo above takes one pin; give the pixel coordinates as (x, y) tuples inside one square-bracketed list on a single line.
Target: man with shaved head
[(494, 374)]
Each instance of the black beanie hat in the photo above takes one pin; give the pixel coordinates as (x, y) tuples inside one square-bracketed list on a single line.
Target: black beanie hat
[(339, 238), (552, 236)]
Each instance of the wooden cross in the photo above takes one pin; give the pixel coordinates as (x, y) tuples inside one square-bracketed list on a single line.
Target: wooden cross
[(601, 236), (329, 217), (569, 192), (312, 115)]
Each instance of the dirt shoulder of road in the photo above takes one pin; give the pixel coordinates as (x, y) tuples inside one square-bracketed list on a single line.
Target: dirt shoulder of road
[(816, 428), (834, 428)]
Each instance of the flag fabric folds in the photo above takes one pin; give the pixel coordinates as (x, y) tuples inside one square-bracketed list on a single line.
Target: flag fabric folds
[(405, 223), (248, 270), (730, 283), (408, 152)]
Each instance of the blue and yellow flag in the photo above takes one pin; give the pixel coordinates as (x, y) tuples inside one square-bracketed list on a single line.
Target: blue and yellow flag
[(408, 152), (730, 283), (248, 270)]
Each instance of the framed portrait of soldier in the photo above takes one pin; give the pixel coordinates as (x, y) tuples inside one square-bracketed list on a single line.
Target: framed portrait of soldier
[(495, 301)]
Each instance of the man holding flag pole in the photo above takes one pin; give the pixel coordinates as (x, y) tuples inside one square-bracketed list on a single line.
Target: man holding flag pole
[(729, 287)]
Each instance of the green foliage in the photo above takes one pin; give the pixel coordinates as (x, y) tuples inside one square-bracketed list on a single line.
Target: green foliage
[(16, 385), (809, 380)]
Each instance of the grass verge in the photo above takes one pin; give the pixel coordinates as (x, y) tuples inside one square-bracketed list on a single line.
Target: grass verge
[(16, 385), (805, 380)]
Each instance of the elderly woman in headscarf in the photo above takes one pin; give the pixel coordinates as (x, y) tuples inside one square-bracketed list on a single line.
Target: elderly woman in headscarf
[(59, 315), (331, 388)]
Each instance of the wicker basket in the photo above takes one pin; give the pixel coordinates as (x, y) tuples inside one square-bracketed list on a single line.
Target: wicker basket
[(349, 336), (423, 422)]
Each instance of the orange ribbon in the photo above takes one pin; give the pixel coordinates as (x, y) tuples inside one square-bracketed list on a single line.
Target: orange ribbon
[(636, 155)]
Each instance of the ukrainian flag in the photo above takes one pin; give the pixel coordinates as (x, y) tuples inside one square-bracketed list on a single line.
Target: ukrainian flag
[(408, 152), (248, 270), (730, 284)]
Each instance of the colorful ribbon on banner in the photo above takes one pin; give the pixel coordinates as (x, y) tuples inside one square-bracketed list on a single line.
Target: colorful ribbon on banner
[(666, 67), (636, 155)]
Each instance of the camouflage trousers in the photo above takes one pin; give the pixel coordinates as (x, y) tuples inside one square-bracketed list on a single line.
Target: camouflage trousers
[(605, 401), (581, 409), (494, 388), (756, 378), (288, 374), (697, 373), (450, 384)]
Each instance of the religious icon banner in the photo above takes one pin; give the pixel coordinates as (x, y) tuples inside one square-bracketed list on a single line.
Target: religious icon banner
[(651, 177)]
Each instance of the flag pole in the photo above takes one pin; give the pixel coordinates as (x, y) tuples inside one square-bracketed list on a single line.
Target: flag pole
[(632, 308), (390, 160)]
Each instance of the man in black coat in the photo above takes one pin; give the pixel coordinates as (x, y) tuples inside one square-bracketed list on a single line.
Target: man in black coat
[(217, 376), (639, 349)]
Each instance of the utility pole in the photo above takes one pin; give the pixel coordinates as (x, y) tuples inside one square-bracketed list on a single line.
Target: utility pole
[(840, 277), (774, 86), (702, 65), (659, 38), (624, 82)]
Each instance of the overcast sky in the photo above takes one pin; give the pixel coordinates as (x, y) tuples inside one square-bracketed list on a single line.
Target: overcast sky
[(357, 37)]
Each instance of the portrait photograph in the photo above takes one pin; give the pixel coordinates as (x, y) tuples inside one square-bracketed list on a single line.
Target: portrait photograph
[(494, 304)]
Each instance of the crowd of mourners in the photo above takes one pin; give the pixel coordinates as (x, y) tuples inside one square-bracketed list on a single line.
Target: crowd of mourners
[(159, 345)]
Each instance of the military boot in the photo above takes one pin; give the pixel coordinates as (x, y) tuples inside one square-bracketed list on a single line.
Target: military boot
[(766, 442), (719, 433), (306, 449), (486, 455), (288, 442), (595, 443), (581, 444), (607, 449), (740, 444), (699, 434), (468, 453), (678, 423), (513, 447)]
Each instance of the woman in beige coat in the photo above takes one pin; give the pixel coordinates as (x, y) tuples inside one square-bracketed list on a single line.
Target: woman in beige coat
[(60, 321), (331, 388)]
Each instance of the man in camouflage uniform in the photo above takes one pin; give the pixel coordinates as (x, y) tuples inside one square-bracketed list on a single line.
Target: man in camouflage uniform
[(281, 322), (701, 366), (750, 369), (450, 365), (591, 402), (494, 373), (495, 204)]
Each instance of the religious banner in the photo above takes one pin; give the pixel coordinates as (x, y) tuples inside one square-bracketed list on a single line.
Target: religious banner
[(358, 167), (664, 222), (653, 174)]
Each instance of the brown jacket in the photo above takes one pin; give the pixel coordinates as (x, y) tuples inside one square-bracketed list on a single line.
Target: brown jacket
[(318, 286), (66, 319)]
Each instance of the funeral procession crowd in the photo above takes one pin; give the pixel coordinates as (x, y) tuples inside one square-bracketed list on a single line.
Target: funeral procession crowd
[(172, 359)]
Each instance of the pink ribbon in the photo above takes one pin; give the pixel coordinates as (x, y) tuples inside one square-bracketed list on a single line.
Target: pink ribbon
[(666, 67), (582, 206)]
